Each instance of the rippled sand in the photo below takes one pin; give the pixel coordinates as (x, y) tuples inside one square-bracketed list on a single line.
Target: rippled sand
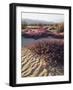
[(33, 65)]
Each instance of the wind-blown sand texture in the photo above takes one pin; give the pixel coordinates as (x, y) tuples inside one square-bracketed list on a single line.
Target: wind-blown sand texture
[(44, 58)]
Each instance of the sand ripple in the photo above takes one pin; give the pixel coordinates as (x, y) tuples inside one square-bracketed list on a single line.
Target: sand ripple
[(33, 65)]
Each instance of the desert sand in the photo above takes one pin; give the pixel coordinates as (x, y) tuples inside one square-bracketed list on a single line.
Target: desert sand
[(38, 65)]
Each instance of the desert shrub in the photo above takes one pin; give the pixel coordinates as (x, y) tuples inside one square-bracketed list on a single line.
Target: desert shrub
[(24, 26), (60, 27), (52, 50)]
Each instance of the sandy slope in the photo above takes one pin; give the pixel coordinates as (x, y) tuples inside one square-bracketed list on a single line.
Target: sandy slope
[(33, 65)]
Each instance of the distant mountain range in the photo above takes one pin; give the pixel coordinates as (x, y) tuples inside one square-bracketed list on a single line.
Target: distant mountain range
[(30, 21)]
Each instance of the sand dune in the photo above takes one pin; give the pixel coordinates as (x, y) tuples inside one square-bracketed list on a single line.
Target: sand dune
[(33, 65)]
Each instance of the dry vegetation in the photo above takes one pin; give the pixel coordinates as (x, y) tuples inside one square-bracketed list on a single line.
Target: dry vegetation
[(50, 49), (59, 27), (45, 57)]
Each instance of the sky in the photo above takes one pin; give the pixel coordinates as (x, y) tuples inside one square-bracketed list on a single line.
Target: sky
[(50, 17)]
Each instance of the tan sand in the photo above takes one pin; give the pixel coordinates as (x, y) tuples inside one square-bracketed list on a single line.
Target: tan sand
[(34, 66)]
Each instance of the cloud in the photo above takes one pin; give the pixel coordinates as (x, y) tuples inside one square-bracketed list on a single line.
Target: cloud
[(51, 17)]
